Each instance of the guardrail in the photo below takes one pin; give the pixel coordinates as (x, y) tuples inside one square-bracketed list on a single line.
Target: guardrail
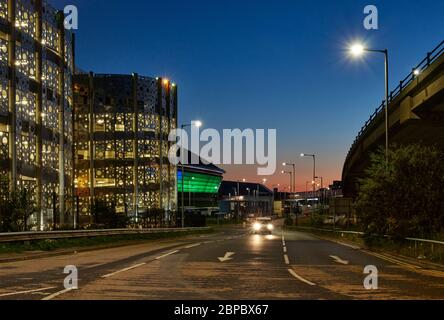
[(422, 66), (362, 233), (54, 235)]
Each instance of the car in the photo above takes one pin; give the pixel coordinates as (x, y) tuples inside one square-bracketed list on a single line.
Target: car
[(262, 226)]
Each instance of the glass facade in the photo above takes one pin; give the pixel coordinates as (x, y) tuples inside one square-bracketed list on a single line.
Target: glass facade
[(36, 105), (198, 182), (122, 124)]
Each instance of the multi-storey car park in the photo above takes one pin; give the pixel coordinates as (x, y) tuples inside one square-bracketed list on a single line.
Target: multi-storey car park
[(36, 127), (122, 124)]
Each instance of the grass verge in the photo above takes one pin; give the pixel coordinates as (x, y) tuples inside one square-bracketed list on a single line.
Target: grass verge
[(49, 245)]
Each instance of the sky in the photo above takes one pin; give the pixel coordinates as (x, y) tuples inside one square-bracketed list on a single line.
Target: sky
[(278, 65)]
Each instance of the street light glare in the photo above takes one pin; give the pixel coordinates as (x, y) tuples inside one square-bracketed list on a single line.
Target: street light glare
[(357, 50), (302, 154), (197, 123), (416, 72)]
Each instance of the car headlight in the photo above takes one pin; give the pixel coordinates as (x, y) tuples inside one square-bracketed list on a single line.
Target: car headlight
[(270, 226), (257, 226)]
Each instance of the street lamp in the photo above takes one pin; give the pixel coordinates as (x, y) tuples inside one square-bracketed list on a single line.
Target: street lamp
[(294, 175), (291, 182), (358, 50), (293, 191), (314, 166), (197, 124), (322, 186)]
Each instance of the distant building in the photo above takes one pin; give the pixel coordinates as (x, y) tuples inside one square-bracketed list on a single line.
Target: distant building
[(201, 184), (36, 105), (243, 199), (122, 124)]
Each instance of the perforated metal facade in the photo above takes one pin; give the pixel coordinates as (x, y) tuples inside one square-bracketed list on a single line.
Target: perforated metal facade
[(36, 127), (122, 124)]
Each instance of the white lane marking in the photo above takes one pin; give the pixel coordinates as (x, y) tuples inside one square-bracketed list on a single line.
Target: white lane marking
[(24, 292), (123, 270), (227, 256), (193, 245), (52, 296), (348, 245), (294, 274), (339, 260), (285, 249), (287, 261), (167, 254)]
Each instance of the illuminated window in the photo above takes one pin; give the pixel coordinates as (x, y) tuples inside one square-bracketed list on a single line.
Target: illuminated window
[(26, 17)]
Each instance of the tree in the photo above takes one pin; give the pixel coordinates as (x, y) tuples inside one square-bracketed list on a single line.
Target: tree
[(15, 208), (404, 197)]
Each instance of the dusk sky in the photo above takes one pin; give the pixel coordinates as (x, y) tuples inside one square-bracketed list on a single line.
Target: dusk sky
[(263, 64)]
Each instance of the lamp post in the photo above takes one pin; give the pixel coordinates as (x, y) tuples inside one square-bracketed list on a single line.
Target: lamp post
[(291, 182), (238, 198), (198, 124), (322, 186), (293, 191), (357, 50), (314, 167)]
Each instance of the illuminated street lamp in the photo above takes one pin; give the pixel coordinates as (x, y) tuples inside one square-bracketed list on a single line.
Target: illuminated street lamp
[(358, 50), (197, 124)]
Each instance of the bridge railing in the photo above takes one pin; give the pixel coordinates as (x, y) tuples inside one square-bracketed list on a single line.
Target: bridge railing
[(404, 83)]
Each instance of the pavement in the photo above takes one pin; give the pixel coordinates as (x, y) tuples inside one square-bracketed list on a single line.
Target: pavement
[(232, 264)]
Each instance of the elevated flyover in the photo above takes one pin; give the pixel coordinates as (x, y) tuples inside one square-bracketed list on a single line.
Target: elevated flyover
[(416, 115)]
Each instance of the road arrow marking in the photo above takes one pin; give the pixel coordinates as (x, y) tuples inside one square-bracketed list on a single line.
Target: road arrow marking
[(339, 260), (227, 257)]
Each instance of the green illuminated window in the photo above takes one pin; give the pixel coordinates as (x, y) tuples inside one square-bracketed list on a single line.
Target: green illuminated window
[(198, 182)]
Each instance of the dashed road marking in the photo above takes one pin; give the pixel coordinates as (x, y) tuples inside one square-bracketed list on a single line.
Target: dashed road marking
[(193, 245), (285, 249), (166, 254), (287, 261), (24, 292), (123, 270)]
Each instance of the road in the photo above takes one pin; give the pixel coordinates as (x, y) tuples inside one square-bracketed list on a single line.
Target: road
[(232, 264)]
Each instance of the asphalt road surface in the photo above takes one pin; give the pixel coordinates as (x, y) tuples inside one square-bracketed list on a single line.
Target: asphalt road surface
[(232, 264)]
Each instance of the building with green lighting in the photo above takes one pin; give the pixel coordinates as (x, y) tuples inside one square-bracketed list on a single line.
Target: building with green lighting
[(201, 184)]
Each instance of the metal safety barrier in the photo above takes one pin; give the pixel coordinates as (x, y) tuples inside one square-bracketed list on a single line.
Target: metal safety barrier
[(362, 233), (54, 235)]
